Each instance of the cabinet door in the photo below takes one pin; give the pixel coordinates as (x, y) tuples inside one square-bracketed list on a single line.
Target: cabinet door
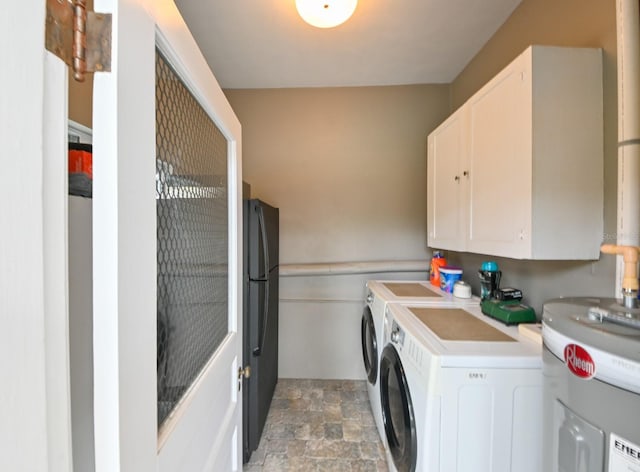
[(500, 165), (446, 157)]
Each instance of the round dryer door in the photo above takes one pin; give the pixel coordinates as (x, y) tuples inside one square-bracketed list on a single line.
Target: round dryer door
[(369, 346), (397, 411)]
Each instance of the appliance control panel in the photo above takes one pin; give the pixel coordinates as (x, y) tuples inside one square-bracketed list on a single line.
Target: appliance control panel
[(397, 334)]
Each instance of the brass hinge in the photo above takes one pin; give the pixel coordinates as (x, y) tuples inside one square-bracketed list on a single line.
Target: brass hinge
[(81, 38)]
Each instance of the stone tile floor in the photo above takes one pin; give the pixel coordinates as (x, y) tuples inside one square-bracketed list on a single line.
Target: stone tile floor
[(319, 425)]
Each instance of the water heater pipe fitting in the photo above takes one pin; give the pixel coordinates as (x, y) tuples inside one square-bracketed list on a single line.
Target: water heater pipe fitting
[(630, 279)]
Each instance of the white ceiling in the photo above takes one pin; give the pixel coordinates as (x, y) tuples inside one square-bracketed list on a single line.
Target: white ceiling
[(265, 44)]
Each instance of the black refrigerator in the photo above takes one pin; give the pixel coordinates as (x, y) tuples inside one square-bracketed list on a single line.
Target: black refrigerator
[(260, 318)]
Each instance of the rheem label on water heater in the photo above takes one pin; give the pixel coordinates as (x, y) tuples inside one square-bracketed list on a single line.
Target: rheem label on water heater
[(624, 456), (579, 361)]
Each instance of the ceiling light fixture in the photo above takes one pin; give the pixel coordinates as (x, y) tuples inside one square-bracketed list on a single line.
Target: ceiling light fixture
[(326, 13)]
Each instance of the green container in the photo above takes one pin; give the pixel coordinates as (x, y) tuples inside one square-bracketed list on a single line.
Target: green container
[(509, 312)]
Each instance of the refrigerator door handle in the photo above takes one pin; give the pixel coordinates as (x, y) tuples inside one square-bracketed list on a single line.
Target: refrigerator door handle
[(265, 245), (265, 320)]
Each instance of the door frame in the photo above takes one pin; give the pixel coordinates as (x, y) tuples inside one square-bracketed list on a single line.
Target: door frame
[(33, 271)]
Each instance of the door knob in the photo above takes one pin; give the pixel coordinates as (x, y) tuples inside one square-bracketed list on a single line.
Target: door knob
[(246, 372)]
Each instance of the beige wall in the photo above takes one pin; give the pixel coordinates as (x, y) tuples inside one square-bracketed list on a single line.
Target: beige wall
[(580, 23), (81, 101), (583, 23), (346, 167)]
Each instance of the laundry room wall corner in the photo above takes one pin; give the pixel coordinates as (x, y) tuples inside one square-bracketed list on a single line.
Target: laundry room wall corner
[(346, 166)]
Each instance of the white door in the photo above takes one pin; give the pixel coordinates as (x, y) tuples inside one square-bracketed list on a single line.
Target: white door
[(204, 429)]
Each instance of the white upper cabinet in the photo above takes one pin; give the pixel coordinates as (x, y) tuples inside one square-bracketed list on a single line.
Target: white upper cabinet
[(448, 171), (531, 145)]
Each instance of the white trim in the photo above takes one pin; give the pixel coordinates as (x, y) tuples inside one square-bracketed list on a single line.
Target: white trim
[(56, 277)]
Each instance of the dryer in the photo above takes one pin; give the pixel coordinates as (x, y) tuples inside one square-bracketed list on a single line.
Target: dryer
[(459, 392), (379, 293), (591, 386)]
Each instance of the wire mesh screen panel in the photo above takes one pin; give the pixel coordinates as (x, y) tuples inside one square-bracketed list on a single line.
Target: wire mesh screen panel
[(192, 206)]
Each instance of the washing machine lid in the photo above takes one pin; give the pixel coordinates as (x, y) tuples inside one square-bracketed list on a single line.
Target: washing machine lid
[(575, 331), (454, 324), (420, 291), (448, 338), (410, 289)]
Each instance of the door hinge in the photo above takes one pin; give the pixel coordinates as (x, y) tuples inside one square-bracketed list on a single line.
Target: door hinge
[(81, 38)]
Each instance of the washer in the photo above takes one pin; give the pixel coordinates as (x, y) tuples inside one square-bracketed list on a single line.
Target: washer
[(379, 293), (459, 392), (591, 386)]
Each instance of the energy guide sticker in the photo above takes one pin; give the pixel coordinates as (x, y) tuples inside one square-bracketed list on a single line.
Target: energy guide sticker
[(624, 456)]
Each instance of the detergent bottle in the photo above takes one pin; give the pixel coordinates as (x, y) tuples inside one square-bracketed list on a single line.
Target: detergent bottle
[(437, 261)]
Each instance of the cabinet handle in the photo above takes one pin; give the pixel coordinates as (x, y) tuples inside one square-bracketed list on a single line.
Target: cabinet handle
[(466, 173), (456, 178)]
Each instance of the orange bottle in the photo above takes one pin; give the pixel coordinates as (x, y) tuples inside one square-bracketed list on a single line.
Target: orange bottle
[(437, 261)]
